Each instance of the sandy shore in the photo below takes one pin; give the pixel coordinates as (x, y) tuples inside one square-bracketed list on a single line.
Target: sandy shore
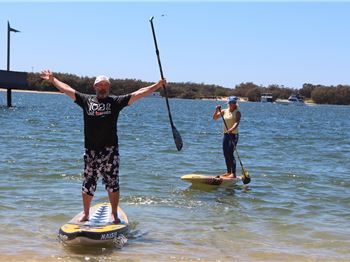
[(31, 91), (224, 98), (240, 99)]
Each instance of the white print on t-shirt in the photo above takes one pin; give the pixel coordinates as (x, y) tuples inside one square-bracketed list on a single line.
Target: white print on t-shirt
[(97, 109)]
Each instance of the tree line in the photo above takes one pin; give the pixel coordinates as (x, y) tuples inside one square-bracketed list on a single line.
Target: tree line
[(320, 94), (84, 84)]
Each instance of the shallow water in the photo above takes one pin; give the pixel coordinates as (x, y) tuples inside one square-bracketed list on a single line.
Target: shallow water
[(295, 209)]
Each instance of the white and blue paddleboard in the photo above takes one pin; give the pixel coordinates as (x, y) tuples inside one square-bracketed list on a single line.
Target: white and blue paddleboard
[(197, 179), (100, 228)]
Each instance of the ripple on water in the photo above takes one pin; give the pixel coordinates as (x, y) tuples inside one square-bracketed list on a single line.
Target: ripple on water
[(296, 207)]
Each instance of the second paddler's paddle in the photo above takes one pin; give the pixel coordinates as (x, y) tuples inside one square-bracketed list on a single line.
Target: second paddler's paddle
[(176, 134), (245, 174)]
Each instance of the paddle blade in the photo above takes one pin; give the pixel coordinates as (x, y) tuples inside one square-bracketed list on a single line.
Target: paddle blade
[(245, 177), (177, 138)]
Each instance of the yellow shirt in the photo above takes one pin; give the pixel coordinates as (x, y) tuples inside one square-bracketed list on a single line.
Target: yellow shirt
[(230, 119)]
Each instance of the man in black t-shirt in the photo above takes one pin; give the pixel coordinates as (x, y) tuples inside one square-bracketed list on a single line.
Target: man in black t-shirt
[(101, 156)]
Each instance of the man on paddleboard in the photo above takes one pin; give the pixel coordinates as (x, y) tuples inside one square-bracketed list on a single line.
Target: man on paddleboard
[(232, 117), (101, 156)]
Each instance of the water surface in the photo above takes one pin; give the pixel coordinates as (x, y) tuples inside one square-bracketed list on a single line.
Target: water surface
[(295, 209)]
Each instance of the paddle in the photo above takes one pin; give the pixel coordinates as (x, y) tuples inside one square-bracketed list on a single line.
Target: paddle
[(176, 134), (246, 178)]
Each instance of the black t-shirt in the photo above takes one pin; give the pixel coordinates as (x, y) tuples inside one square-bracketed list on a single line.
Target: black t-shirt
[(100, 119)]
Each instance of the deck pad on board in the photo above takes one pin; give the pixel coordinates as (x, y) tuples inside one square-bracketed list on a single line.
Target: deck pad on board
[(98, 229), (209, 180)]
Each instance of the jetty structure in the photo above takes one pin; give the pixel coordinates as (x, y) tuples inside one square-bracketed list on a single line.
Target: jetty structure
[(11, 79)]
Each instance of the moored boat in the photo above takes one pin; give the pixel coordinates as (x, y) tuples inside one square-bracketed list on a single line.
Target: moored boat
[(266, 98), (294, 99)]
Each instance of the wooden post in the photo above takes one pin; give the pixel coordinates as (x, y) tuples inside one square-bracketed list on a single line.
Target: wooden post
[(9, 29), (9, 94), (9, 97)]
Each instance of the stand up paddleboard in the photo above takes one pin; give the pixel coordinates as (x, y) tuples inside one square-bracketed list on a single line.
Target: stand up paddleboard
[(100, 228), (209, 180)]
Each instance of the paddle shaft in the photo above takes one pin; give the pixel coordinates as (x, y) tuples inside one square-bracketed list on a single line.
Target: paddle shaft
[(176, 134), (161, 72)]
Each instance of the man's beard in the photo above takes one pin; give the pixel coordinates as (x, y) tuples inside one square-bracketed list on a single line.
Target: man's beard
[(102, 94)]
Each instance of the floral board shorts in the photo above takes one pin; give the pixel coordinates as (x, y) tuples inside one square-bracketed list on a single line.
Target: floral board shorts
[(103, 163)]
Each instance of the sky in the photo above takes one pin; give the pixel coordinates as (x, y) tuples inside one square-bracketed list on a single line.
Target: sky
[(222, 43)]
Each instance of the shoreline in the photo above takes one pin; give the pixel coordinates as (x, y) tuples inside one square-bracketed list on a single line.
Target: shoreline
[(240, 99), (31, 91)]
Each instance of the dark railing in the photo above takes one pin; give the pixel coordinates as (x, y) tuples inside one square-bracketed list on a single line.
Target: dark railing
[(12, 80)]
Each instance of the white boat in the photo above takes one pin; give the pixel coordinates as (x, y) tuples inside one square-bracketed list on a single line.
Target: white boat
[(266, 98), (292, 100), (296, 99), (282, 101)]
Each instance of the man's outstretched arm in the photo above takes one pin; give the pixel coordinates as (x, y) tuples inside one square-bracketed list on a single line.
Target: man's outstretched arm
[(145, 91), (64, 88)]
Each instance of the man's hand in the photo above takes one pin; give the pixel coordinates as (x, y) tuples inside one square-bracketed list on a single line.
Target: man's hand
[(47, 75), (64, 88), (218, 108), (161, 83)]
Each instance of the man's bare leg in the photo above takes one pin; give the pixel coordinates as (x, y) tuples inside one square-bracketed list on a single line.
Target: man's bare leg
[(86, 202), (114, 200)]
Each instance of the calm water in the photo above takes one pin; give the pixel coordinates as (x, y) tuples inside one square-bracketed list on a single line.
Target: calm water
[(297, 207)]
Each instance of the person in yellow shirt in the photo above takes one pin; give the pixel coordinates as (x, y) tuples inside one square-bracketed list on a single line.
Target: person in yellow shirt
[(232, 117)]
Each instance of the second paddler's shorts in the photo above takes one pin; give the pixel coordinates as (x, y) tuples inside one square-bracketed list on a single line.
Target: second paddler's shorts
[(102, 163)]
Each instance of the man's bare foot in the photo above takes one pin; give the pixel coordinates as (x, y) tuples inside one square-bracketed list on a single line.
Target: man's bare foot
[(83, 218), (225, 175), (232, 175)]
